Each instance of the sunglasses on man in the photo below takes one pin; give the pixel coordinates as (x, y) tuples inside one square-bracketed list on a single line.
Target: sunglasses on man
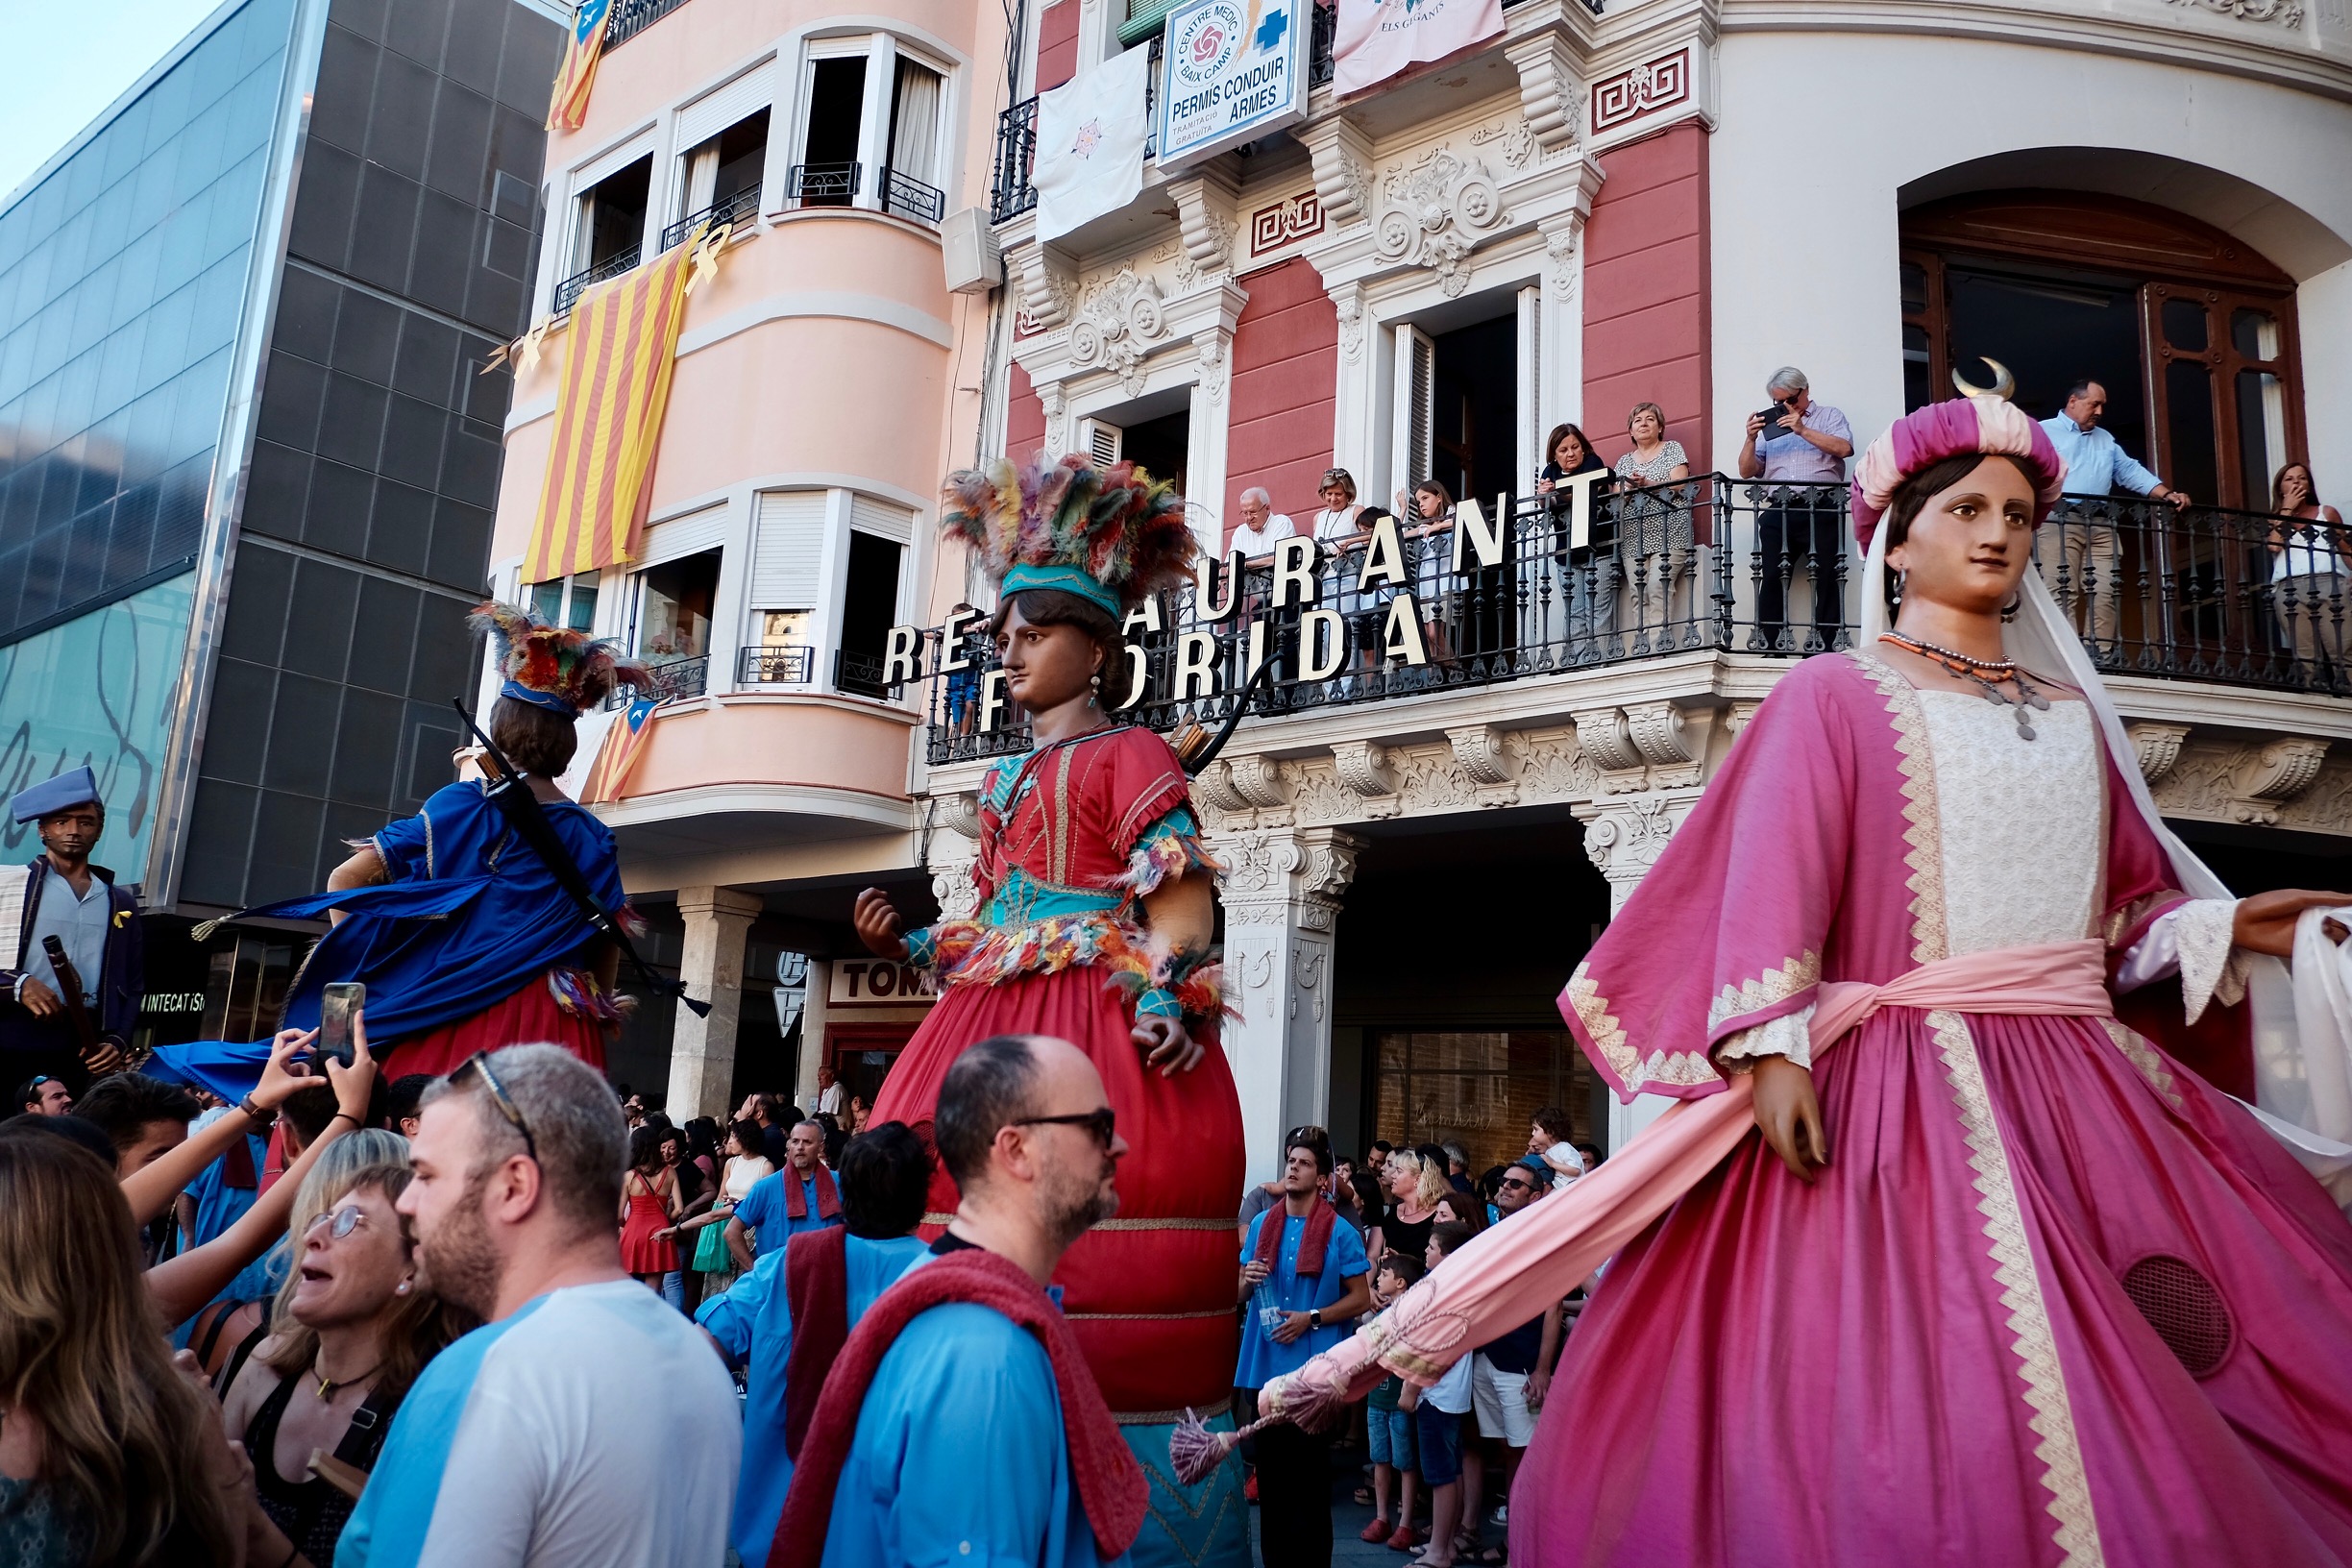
[(1101, 1124)]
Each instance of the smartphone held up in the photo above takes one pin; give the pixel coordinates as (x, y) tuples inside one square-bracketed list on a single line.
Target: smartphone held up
[(337, 1002)]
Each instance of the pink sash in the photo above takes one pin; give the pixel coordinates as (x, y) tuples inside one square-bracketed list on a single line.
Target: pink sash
[(1508, 1274)]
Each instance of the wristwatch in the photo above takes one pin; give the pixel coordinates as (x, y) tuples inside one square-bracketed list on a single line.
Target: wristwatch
[(1314, 1317)]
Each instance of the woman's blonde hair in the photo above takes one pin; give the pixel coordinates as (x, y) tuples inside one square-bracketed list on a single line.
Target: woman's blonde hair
[(1429, 1183), (126, 1438), (421, 1324)]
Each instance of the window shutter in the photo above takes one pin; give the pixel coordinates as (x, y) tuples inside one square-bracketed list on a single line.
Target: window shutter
[(688, 535), (721, 107), (881, 519), (1102, 443), (1415, 415), (787, 549)]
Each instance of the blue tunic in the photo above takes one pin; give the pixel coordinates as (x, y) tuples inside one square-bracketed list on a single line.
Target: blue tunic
[(752, 1323), (1344, 1259), (470, 917), (762, 1212), (960, 1457)]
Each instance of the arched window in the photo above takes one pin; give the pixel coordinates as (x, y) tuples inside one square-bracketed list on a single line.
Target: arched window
[(2189, 329)]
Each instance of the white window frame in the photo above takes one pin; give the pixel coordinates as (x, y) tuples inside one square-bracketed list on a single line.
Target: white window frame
[(881, 52)]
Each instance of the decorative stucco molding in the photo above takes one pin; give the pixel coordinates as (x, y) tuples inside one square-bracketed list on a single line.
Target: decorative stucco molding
[(1435, 211), (1551, 98), (1122, 318), (2156, 747), (1342, 156)]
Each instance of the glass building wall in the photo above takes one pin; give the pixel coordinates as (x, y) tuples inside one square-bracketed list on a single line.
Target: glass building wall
[(123, 274), (366, 527)]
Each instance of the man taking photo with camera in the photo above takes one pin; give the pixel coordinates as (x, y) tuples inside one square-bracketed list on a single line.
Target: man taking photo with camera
[(1799, 442)]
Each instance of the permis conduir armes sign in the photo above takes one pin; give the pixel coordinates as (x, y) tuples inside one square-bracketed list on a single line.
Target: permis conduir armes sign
[(1233, 71)]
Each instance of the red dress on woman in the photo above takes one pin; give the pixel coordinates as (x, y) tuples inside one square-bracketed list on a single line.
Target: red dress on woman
[(649, 1213), (1072, 836)]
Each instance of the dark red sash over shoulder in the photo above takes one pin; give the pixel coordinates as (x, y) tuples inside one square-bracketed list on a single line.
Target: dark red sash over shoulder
[(817, 1289), (1110, 1484), (1319, 1220), (795, 1199)]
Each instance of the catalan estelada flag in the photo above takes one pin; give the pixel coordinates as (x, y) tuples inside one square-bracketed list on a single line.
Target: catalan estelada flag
[(617, 758), (608, 415), (568, 108)]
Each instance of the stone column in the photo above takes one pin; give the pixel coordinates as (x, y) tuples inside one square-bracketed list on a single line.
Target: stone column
[(702, 1050), (1282, 890)]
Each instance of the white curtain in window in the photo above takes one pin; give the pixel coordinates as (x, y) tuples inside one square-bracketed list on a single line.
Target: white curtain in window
[(915, 115)]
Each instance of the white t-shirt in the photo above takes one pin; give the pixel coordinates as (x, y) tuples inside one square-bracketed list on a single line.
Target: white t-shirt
[(1338, 525), (830, 1100), (1253, 542), (1451, 1393), (594, 1427)]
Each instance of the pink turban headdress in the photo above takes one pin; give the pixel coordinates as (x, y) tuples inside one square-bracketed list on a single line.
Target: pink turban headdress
[(1982, 422)]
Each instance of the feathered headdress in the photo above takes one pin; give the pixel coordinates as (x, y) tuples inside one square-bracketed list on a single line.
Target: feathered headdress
[(553, 668), (1109, 535)]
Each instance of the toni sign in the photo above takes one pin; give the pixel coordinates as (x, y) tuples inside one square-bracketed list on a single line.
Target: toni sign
[(1235, 70)]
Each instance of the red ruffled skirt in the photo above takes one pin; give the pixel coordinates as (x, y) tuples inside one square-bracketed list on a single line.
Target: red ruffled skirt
[(531, 1016), (1150, 1292)]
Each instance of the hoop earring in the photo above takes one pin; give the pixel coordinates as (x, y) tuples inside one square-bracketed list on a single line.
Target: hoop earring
[(2009, 611)]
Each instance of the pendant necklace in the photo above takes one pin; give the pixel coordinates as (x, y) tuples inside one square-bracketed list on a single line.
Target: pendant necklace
[(327, 1385), (1989, 676)]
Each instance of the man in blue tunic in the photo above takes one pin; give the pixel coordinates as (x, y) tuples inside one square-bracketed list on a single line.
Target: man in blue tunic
[(830, 1277), (1304, 1281), (960, 1423), (793, 1201)]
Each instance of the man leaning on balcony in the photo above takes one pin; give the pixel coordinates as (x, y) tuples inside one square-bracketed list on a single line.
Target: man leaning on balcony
[(2091, 552)]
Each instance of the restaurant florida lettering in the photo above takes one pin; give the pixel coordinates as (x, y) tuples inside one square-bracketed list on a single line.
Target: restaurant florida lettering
[(1294, 594)]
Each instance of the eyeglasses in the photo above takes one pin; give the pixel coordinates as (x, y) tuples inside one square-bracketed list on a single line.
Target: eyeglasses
[(1100, 1123), (1519, 1182), (340, 1223), (479, 1062)]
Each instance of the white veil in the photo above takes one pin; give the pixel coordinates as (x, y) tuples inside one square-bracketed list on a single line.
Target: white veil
[(2302, 1065)]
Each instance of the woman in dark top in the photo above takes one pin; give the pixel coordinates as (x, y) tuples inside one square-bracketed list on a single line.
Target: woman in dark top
[(1587, 569), (355, 1327)]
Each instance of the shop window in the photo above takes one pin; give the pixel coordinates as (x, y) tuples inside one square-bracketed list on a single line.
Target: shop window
[(1480, 1089), (2191, 333)]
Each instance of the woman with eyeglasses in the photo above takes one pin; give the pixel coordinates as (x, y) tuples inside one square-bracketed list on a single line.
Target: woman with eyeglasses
[(353, 1326)]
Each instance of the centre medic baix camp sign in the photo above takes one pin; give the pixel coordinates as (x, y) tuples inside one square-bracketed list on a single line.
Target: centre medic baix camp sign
[(1233, 71)]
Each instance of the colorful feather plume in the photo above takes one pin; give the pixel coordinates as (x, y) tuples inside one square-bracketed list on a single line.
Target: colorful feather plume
[(554, 661), (1115, 525)]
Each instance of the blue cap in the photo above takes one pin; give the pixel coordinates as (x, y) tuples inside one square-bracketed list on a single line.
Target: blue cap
[(1066, 579), (549, 700), (74, 788)]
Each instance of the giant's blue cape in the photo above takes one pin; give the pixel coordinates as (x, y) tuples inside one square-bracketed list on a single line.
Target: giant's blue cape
[(470, 916)]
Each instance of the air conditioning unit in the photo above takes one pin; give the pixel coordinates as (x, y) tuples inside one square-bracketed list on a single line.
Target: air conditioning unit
[(1100, 442), (968, 247)]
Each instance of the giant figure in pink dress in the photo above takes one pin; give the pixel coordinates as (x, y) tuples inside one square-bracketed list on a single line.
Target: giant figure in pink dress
[(1955, 1250)]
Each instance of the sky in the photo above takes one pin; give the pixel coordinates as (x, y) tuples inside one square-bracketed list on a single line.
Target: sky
[(65, 63)]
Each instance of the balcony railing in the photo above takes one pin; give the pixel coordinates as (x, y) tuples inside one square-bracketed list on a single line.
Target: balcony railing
[(1011, 193), (735, 209), (629, 17), (673, 678), (859, 672), (906, 197), (569, 291), (769, 665), (824, 184), (1732, 566)]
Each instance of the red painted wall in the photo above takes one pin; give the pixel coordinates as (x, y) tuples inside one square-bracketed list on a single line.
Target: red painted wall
[(1285, 375), (1057, 45), (1024, 419), (1646, 330)]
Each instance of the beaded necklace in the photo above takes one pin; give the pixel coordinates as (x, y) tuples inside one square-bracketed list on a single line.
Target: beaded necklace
[(1989, 677)]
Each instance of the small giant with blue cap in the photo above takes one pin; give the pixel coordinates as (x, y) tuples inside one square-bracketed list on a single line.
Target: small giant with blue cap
[(74, 786)]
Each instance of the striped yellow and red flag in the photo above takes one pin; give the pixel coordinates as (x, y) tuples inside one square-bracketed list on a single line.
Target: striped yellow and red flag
[(567, 108), (608, 417)]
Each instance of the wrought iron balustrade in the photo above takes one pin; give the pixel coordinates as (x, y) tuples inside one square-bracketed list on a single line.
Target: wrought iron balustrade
[(906, 197), (1707, 564), (672, 680), (629, 17), (824, 184), (859, 672), (771, 665), (736, 208), (1011, 193), (569, 291)]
